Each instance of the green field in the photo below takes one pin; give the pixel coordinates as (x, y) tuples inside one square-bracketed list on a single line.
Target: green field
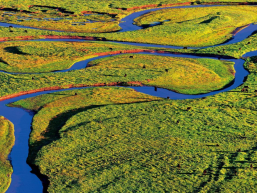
[(190, 27), (191, 76), (116, 140), (209, 74), (196, 27), (6, 143), (34, 57), (96, 5), (53, 20)]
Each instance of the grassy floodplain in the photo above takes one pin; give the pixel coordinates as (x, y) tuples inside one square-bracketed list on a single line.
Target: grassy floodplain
[(184, 75), (190, 27), (196, 27), (236, 50), (6, 144), (54, 20), (33, 57), (30, 57), (97, 5), (155, 145)]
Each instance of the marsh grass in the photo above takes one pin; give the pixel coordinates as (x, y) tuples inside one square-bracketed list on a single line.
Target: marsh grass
[(190, 27), (236, 50), (195, 27), (58, 112), (6, 144), (209, 69), (37, 57), (180, 74), (93, 5), (119, 144), (62, 22)]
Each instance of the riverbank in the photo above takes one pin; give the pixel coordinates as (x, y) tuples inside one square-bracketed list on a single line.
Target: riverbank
[(204, 132), (6, 144)]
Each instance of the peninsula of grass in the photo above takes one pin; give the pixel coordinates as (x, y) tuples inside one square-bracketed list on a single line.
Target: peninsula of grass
[(182, 75), (6, 144), (234, 50), (196, 75), (196, 27), (116, 140)]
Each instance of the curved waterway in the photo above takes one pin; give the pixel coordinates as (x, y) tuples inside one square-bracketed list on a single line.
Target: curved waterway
[(23, 180), (127, 24)]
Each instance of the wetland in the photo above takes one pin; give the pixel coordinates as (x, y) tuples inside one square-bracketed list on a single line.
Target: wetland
[(155, 108)]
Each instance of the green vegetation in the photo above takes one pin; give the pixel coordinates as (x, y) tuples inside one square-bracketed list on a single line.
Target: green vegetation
[(235, 50), (53, 20), (64, 105), (95, 5), (184, 75), (190, 27), (17, 33), (202, 26), (211, 74), (50, 56), (6, 144), (149, 145)]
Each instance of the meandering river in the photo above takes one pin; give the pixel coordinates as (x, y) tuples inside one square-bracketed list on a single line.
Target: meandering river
[(22, 179)]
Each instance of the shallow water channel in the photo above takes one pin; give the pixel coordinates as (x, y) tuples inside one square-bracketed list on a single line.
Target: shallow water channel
[(22, 179)]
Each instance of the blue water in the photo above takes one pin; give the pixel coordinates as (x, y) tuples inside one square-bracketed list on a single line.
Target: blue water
[(127, 23)]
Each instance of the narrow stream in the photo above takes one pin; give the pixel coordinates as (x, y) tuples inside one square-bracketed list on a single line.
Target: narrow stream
[(22, 179)]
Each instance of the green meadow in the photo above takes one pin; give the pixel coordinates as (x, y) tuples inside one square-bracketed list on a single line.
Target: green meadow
[(96, 5), (6, 144), (236, 50), (193, 77), (57, 21), (33, 56), (118, 140), (194, 27)]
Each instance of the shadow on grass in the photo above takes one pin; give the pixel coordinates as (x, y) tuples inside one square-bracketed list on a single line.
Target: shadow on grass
[(1, 60), (51, 134), (14, 50)]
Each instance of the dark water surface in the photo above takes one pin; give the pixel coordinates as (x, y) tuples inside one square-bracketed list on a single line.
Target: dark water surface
[(23, 181)]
